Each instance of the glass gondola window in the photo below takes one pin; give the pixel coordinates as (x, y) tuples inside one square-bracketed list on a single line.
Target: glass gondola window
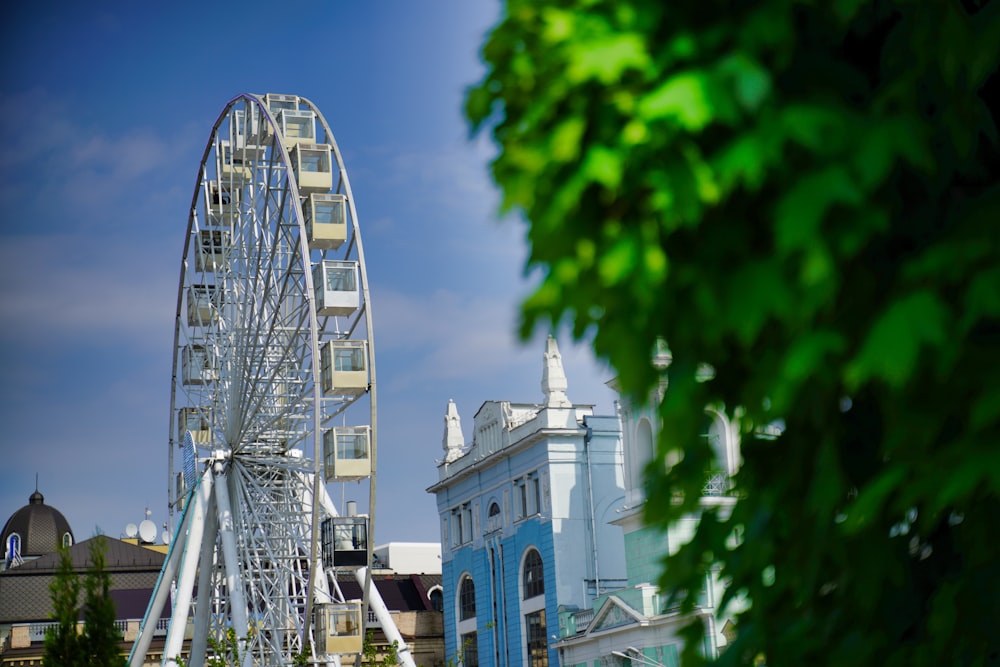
[(341, 277), (299, 125), (331, 211), (352, 446), (279, 103), (313, 160), (348, 359)]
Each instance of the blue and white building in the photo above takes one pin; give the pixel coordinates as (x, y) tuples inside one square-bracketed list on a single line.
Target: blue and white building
[(526, 533), (637, 625)]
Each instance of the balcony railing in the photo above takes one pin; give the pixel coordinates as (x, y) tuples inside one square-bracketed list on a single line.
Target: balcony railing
[(583, 619), (36, 631)]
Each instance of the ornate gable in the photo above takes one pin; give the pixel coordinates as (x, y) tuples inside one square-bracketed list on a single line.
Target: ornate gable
[(614, 613)]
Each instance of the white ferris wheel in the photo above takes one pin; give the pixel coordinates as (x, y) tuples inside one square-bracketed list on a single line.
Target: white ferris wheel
[(272, 397)]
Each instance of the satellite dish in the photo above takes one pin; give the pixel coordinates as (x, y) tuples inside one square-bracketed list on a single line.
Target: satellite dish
[(131, 530), (147, 531), (165, 537)]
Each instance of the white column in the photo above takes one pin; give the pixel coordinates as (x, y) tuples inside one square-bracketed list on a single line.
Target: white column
[(189, 567), (234, 579), (377, 605), (199, 640)]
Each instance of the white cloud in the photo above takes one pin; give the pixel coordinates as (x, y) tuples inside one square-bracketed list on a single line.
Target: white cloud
[(58, 173), (73, 288)]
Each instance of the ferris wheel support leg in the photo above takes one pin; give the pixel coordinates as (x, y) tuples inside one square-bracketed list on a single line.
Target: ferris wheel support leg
[(160, 593), (377, 605), (199, 640), (234, 579), (189, 567)]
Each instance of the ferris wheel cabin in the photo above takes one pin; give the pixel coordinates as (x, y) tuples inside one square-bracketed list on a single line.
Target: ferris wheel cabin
[(311, 164), (344, 367), (198, 365), (326, 220), (201, 308), (210, 249), (336, 285), (339, 629), (347, 453), (231, 167)]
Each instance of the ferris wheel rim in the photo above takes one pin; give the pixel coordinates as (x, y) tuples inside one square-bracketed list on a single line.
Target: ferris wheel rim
[(238, 456)]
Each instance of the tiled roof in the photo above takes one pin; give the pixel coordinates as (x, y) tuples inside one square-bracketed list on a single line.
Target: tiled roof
[(39, 526), (406, 592), (119, 557), (24, 590)]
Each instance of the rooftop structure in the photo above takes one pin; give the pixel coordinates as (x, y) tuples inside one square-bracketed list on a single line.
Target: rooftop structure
[(34, 530), (525, 514)]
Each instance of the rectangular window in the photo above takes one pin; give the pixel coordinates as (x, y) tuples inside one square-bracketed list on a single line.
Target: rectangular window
[(348, 359), (470, 650), (341, 278), (456, 528), (532, 504), (538, 646), (466, 523), (461, 524), (520, 499)]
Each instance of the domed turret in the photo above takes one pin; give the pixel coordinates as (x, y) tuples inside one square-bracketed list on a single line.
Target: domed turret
[(34, 530)]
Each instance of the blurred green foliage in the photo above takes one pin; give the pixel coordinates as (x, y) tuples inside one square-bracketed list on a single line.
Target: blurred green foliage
[(806, 196)]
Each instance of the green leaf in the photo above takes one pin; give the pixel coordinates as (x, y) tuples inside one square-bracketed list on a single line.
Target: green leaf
[(566, 139), (892, 347), (606, 58), (801, 210), (683, 98), (751, 82), (603, 165), (620, 259), (871, 499)]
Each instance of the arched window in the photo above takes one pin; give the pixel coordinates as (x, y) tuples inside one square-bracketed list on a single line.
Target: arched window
[(717, 481), (466, 599), (536, 643), (468, 641), (532, 576), (67, 540), (436, 598), (13, 547), (494, 521)]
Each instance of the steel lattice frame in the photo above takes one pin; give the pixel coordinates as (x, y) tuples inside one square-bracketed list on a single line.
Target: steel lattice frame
[(246, 380)]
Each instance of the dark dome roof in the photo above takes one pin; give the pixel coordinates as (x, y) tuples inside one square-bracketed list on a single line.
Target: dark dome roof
[(40, 527)]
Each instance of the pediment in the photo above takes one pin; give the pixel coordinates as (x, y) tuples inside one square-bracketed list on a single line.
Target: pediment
[(614, 613)]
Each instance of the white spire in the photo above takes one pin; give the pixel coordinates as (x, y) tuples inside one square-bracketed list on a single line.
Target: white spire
[(453, 442), (554, 382)]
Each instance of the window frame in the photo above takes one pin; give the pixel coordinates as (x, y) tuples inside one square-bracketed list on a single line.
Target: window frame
[(536, 585), (466, 600)]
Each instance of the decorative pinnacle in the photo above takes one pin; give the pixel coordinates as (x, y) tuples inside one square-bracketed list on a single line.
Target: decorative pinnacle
[(453, 442), (554, 383)]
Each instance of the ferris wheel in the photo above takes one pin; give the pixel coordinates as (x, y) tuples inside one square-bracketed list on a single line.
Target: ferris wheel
[(273, 396)]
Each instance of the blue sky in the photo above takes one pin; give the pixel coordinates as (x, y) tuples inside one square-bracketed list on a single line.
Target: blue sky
[(106, 109)]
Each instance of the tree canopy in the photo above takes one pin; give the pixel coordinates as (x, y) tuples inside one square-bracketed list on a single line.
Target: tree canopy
[(98, 644), (805, 196)]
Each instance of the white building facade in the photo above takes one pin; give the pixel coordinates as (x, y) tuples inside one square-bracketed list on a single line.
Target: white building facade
[(526, 533), (636, 625)]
